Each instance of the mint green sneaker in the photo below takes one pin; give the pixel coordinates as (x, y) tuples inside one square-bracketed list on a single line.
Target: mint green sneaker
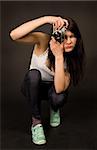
[(54, 118), (38, 136)]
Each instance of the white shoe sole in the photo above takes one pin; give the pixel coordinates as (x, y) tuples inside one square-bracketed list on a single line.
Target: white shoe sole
[(40, 142)]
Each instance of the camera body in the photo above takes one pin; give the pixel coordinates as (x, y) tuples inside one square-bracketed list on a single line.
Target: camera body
[(59, 34)]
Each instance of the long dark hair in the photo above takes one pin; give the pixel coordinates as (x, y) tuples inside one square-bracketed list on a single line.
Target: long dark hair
[(76, 58)]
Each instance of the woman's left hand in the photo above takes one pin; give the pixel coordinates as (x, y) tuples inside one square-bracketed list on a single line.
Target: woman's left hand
[(56, 47)]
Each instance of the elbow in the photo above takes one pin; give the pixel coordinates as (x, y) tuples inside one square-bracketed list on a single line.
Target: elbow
[(12, 35), (59, 90)]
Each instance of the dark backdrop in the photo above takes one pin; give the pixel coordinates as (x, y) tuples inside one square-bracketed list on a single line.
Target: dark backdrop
[(15, 56)]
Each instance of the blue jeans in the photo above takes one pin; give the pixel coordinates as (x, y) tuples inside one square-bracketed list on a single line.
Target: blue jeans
[(36, 90)]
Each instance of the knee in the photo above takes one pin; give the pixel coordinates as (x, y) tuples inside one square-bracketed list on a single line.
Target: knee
[(34, 76), (57, 100)]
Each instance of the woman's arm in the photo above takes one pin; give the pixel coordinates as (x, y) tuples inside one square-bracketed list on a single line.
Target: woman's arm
[(61, 77), (39, 38), (29, 26)]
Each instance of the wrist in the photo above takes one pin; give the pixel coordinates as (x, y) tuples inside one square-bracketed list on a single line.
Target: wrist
[(59, 57), (44, 19), (49, 19)]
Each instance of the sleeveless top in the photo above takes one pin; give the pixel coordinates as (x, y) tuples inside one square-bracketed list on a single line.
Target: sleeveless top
[(39, 63)]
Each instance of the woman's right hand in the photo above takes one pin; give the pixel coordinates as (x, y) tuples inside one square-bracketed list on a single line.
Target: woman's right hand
[(57, 22)]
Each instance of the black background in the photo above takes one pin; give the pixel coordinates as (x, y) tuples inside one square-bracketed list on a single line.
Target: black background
[(82, 101)]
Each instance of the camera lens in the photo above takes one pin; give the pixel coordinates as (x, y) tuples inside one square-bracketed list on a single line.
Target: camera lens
[(57, 36)]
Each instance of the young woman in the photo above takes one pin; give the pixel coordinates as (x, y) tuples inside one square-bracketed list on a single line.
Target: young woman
[(54, 66)]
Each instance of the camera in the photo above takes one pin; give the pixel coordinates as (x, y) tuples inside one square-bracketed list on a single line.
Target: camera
[(59, 34)]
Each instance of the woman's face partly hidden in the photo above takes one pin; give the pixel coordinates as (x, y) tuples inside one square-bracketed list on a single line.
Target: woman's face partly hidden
[(69, 41)]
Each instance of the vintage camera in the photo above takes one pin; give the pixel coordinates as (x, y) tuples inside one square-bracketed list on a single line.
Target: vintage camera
[(59, 34)]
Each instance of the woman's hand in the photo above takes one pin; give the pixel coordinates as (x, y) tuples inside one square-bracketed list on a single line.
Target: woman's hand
[(57, 22), (56, 47)]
